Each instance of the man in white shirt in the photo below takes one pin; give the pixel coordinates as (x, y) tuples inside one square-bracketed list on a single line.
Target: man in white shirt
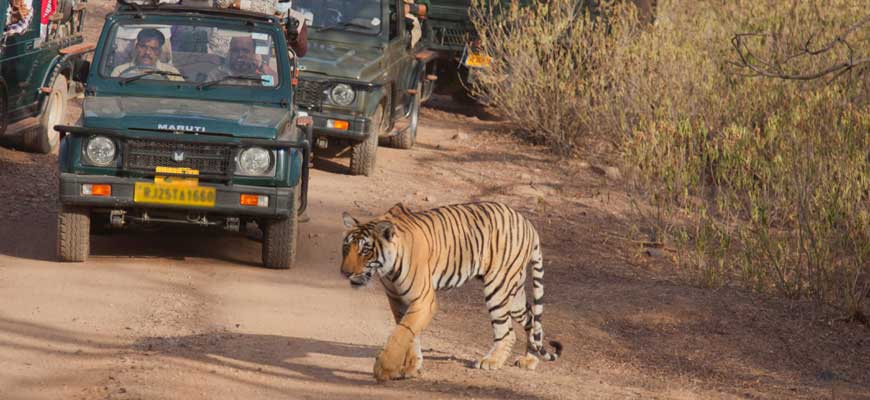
[(146, 56)]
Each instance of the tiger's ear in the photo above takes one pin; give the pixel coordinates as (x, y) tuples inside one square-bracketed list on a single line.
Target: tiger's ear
[(398, 210), (387, 230), (349, 222)]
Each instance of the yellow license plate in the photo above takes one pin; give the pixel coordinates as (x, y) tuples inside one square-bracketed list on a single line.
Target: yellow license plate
[(477, 60), (179, 195), (191, 180)]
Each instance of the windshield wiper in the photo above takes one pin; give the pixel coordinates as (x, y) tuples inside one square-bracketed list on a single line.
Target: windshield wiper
[(344, 25), (228, 77), (150, 72)]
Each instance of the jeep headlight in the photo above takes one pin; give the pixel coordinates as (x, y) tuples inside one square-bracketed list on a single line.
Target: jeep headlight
[(341, 95), (100, 151), (255, 161)]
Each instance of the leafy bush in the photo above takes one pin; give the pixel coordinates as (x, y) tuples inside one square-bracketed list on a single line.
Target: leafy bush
[(756, 174)]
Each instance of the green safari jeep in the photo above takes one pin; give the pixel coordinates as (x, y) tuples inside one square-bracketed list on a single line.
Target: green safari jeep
[(188, 118), (361, 80), (37, 69)]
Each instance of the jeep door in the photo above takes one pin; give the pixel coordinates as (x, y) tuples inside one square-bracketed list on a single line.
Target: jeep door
[(400, 59)]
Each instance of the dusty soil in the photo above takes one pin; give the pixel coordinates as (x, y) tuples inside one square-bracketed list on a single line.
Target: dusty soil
[(187, 314)]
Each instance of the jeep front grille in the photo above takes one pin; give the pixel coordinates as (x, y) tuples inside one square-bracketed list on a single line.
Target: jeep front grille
[(309, 94), (208, 159)]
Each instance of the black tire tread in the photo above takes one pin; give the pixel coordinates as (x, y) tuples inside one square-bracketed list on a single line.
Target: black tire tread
[(279, 240), (364, 154), (73, 234)]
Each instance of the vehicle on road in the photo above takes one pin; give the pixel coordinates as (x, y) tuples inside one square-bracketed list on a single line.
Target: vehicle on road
[(188, 118), (361, 79), (38, 70)]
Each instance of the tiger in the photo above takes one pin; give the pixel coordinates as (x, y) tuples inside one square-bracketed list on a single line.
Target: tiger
[(415, 254)]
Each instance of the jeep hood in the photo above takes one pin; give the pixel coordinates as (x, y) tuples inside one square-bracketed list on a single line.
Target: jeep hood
[(184, 115), (341, 60)]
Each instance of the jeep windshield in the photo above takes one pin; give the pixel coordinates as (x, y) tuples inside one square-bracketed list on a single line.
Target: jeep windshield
[(341, 15), (190, 52)]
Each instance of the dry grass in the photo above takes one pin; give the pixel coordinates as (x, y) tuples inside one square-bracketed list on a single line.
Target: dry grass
[(756, 180)]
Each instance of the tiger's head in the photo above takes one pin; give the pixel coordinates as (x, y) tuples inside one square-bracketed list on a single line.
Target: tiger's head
[(367, 249)]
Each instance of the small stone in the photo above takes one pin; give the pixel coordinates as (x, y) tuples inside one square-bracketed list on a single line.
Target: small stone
[(460, 136), (607, 171), (122, 390), (429, 198), (654, 252)]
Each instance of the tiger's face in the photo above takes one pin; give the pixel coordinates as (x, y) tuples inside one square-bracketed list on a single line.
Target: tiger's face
[(367, 249)]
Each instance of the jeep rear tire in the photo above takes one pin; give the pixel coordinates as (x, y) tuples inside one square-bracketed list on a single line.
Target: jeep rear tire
[(279, 238), (73, 234), (407, 138), (364, 154), (44, 139)]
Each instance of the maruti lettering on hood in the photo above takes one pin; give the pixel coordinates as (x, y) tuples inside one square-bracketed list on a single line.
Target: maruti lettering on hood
[(182, 128)]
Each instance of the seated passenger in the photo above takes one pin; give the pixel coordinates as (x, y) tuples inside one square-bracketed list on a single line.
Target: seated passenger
[(244, 61), (18, 16), (146, 57)]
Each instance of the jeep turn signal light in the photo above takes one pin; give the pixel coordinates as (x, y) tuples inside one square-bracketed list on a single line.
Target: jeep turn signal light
[(96, 190), (254, 200), (337, 124)]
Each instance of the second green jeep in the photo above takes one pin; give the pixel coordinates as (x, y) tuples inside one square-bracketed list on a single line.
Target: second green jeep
[(361, 79)]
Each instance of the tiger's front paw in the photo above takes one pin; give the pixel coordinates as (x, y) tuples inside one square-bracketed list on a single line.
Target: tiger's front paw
[(388, 368), (390, 363)]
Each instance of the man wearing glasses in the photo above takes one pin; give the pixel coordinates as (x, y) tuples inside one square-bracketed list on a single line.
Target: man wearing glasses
[(146, 57), (244, 61)]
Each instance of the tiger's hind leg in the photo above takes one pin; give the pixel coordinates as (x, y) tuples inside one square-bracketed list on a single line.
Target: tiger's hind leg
[(503, 332), (521, 312)]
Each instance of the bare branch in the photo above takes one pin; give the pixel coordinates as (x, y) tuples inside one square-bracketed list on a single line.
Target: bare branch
[(777, 68)]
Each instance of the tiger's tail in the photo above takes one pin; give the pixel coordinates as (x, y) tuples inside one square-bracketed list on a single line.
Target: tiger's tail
[(536, 335)]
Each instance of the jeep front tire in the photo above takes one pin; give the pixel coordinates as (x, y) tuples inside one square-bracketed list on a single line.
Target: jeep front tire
[(364, 154), (279, 238), (73, 234)]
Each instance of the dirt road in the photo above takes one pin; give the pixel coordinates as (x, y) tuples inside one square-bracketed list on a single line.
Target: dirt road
[(176, 315), (171, 314)]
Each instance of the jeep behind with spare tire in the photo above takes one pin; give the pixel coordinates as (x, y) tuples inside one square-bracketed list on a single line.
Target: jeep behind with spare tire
[(188, 118)]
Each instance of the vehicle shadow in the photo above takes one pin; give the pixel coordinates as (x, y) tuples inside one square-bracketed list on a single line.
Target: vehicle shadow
[(270, 362), (180, 242), (289, 359), (273, 355)]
